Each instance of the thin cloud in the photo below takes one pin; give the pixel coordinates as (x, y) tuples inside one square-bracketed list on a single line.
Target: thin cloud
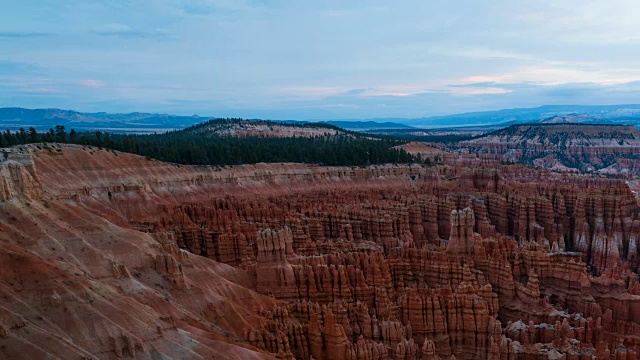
[(127, 32), (91, 83), (207, 7), (481, 91), (23, 35), (13, 68)]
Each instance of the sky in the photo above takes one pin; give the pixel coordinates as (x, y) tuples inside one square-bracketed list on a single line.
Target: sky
[(300, 59)]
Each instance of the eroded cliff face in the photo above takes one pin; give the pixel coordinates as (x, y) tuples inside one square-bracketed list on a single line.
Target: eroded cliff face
[(608, 149), (108, 254), (18, 175)]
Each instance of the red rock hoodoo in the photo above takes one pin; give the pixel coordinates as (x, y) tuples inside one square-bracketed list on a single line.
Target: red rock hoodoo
[(106, 255)]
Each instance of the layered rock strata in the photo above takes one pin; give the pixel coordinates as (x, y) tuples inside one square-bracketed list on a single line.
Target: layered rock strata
[(106, 254)]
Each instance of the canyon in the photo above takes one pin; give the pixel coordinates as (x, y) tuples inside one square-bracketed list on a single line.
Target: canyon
[(563, 146), (105, 254)]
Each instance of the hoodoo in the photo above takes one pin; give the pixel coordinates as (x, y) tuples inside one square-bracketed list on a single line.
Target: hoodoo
[(302, 261)]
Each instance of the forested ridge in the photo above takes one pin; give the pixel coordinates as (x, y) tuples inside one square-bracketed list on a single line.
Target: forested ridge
[(190, 148)]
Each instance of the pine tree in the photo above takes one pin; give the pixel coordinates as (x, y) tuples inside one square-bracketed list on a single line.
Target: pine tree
[(61, 135)]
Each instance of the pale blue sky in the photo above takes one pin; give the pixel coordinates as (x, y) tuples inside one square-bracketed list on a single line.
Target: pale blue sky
[(317, 59)]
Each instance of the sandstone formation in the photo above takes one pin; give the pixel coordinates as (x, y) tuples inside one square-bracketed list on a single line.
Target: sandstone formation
[(607, 149), (110, 255), (424, 151)]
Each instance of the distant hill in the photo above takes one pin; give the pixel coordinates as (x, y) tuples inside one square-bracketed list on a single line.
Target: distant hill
[(234, 142), (238, 128)]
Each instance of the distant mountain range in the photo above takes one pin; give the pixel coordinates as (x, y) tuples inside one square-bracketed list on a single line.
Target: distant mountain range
[(602, 114), (626, 114), (43, 119)]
